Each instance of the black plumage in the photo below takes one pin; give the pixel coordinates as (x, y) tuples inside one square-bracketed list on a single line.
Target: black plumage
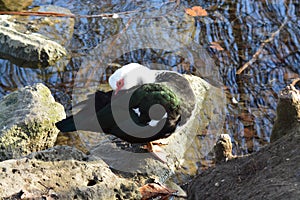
[(129, 114)]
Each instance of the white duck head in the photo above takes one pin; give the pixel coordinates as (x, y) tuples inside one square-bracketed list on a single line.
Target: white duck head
[(129, 76)]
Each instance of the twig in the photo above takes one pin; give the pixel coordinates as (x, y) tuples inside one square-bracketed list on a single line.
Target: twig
[(36, 13), (261, 47), (54, 14)]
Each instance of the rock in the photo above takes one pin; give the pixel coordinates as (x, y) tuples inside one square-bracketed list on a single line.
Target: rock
[(62, 173), (27, 119), (271, 173), (130, 161), (58, 153), (223, 148), (288, 112), (36, 41), (71, 139), (28, 49), (14, 5)]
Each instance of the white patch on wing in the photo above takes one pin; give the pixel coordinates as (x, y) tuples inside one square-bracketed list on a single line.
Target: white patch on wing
[(137, 111), (165, 115), (155, 122)]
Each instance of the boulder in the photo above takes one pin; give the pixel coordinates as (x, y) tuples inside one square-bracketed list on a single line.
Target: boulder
[(27, 119), (36, 41), (288, 112), (62, 173), (271, 173), (28, 49)]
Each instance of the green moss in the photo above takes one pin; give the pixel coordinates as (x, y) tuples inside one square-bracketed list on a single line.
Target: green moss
[(27, 120), (28, 137)]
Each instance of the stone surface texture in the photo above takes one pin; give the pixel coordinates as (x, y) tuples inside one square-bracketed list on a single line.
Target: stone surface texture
[(271, 173), (36, 41), (27, 118), (62, 173)]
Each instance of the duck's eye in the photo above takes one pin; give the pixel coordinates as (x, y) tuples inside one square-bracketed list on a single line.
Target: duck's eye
[(119, 83)]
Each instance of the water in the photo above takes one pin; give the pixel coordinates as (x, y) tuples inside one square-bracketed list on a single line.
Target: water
[(266, 32)]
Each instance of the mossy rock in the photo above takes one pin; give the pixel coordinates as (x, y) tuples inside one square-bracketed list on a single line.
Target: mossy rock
[(27, 121)]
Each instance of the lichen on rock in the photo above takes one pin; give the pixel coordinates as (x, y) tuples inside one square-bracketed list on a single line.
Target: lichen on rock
[(27, 121)]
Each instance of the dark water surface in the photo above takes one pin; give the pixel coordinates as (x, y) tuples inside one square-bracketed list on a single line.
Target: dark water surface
[(267, 32)]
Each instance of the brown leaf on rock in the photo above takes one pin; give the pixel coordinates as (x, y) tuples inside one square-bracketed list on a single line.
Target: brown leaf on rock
[(216, 45), (153, 190), (196, 11)]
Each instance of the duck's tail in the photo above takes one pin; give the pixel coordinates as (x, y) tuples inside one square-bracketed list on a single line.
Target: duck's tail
[(66, 125)]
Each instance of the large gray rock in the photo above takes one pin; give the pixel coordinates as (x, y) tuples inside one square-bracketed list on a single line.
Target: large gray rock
[(62, 173), (271, 173), (28, 49), (36, 41), (288, 112), (27, 119)]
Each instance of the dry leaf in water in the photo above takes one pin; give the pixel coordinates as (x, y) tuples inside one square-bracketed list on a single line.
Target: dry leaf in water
[(152, 190), (249, 133), (247, 117), (196, 11), (216, 45)]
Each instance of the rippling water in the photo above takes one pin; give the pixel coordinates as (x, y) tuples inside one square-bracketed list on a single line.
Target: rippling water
[(267, 32)]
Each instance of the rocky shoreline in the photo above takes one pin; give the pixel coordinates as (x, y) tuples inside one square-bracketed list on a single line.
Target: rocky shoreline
[(32, 167), (108, 171), (38, 162)]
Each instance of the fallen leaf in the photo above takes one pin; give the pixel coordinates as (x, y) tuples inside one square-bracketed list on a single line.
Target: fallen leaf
[(153, 190), (216, 45), (249, 133), (196, 11), (246, 117)]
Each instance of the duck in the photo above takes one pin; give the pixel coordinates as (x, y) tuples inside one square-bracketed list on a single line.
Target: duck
[(140, 108)]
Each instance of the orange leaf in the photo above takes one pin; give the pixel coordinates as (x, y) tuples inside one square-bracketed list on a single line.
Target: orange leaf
[(246, 117), (196, 11), (216, 45), (152, 190), (249, 133)]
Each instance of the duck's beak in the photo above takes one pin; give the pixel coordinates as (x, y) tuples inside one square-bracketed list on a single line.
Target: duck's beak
[(116, 91)]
